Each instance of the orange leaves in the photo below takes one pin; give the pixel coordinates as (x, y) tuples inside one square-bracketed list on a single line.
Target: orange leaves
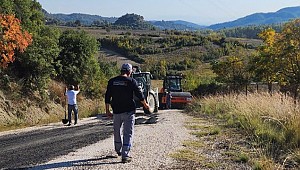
[(11, 38)]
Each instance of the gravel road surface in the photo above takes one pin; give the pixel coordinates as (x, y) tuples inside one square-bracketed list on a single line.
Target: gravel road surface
[(30, 146), (89, 145)]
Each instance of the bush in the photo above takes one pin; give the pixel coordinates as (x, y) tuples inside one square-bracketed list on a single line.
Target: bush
[(78, 64)]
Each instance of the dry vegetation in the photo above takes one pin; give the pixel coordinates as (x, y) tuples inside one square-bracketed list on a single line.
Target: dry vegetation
[(18, 112), (268, 126)]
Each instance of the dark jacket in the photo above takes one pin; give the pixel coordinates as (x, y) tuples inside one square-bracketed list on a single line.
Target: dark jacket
[(119, 94)]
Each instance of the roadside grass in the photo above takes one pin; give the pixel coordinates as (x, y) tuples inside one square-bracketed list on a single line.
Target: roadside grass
[(264, 164), (192, 157), (214, 130), (193, 143), (212, 144), (241, 157), (271, 122), (237, 156), (187, 155), (196, 126)]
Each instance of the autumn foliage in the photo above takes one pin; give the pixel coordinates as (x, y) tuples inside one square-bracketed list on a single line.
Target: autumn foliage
[(12, 38)]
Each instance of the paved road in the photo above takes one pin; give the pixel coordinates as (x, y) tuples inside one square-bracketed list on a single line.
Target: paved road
[(24, 149)]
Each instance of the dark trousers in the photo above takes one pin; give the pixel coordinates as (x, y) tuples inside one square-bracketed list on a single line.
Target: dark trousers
[(73, 108)]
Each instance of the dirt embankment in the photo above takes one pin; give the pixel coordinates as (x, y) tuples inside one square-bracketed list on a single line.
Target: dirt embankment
[(19, 112), (5, 109)]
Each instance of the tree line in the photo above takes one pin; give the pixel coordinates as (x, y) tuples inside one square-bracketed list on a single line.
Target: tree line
[(248, 31), (34, 54), (276, 60)]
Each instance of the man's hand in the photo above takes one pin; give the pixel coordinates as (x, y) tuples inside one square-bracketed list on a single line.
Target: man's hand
[(77, 88), (146, 105), (109, 114)]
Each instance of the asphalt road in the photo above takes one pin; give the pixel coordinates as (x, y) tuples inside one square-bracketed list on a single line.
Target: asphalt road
[(25, 149)]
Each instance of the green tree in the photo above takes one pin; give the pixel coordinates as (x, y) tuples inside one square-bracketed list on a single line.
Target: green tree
[(77, 61), (288, 54), (264, 64), (33, 66), (163, 68), (6, 7), (232, 71), (36, 65), (28, 11)]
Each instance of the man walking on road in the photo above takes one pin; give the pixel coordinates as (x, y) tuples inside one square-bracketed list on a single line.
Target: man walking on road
[(119, 95)]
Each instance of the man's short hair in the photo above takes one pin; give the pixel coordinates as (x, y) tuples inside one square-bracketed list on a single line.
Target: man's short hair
[(126, 67), (71, 87)]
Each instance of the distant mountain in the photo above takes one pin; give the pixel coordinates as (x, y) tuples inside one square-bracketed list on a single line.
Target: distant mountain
[(177, 25), (85, 19), (283, 15), (128, 20), (257, 19)]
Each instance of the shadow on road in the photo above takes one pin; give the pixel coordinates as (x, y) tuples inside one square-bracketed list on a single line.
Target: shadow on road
[(79, 163), (140, 118)]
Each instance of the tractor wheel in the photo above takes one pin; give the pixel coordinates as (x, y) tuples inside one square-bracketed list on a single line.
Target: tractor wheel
[(152, 104)]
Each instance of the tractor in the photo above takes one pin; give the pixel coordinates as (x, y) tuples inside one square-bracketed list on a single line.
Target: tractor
[(144, 82), (172, 94)]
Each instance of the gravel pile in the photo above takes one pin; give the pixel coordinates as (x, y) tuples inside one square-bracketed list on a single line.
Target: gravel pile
[(151, 148)]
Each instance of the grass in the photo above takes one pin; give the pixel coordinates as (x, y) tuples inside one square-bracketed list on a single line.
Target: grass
[(264, 164), (196, 127), (272, 121), (214, 130), (187, 155), (242, 157), (193, 144), (218, 144)]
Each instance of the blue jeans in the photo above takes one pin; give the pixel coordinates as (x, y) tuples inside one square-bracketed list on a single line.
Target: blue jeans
[(126, 119), (73, 108)]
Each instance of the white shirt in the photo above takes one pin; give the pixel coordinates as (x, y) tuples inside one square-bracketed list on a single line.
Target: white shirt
[(71, 95)]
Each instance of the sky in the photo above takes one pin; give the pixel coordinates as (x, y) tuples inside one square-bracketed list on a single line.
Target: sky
[(203, 12)]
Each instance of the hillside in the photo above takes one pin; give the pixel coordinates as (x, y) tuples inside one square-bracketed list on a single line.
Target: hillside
[(133, 21), (84, 19), (280, 16), (177, 25)]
